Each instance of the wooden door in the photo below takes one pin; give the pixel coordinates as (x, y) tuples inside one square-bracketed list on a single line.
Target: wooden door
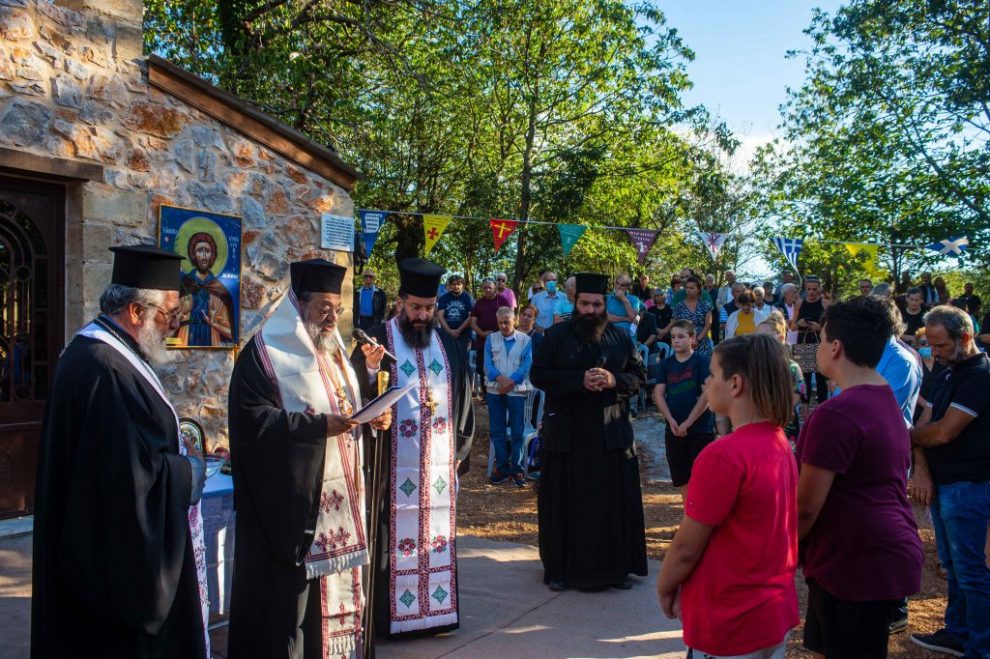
[(32, 267)]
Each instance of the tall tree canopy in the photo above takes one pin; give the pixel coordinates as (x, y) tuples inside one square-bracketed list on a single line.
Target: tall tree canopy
[(888, 139), (563, 111)]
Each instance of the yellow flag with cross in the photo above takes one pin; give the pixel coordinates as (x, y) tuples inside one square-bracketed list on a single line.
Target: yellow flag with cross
[(433, 228)]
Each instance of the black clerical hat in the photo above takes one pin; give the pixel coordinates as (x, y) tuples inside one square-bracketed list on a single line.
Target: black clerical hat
[(316, 276), (591, 282), (419, 277), (146, 266)]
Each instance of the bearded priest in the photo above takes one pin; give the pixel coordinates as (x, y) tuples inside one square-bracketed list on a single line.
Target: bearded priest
[(119, 557), (301, 540), (590, 505), (416, 569)]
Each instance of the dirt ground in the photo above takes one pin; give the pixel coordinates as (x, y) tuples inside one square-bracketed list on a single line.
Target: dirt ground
[(505, 512)]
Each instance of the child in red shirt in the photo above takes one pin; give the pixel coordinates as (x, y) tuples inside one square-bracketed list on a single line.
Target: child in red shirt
[(729, 574)]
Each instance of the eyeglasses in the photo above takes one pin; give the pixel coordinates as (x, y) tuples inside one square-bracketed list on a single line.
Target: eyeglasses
[(623, 285), (537, 289), (337, 311), (169, 316)]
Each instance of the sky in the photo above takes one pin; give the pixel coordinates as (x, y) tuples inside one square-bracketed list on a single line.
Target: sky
[(740, 71)]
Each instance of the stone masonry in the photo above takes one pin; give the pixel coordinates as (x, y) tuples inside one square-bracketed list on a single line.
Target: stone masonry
[(73, 85)]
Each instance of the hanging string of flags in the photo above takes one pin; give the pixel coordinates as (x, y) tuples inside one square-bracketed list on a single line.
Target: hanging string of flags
[(643, 240)]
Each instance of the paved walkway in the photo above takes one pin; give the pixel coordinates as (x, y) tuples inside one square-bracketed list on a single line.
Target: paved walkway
[(506, 611)]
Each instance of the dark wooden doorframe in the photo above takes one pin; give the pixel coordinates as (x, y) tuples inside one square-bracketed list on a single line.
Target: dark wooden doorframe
[(32, 327)]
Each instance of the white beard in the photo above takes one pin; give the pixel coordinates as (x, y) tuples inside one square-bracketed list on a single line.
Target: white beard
[(151, 340), (324, 343)]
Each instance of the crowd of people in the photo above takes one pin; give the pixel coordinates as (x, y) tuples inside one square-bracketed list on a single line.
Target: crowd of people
[(793, 423), (723, 363)]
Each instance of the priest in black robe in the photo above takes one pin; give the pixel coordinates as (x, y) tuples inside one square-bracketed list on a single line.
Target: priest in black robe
[(590, 504), (301, 541), (115, 567), (414, 571)]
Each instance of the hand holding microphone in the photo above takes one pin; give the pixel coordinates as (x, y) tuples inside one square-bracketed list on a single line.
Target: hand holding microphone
[(372, 350)]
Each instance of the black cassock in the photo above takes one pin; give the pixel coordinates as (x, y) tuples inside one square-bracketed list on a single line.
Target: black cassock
[(464, 426), (114, 569), (590, 502), (277, 464)]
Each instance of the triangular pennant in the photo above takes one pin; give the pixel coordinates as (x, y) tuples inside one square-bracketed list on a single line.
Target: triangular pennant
[(433, 228), (569, 235), (950, 246), (371, 224), (870, 250), (643, 240), (501, 230), (713, 242), (790, 248)]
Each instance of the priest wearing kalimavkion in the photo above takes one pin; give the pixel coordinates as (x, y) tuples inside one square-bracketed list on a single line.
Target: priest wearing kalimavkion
[(119, 558), (301, 540), (416, 582), (590, 505)]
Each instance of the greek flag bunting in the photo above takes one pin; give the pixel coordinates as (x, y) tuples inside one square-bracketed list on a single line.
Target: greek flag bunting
[(950, 246), (790, 248)]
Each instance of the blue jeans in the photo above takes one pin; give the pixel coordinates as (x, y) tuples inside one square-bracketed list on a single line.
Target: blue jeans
[(960, 514), (508, 456)]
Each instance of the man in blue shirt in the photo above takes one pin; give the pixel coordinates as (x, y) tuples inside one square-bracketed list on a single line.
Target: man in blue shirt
[(545, 301), (622, 306), (369, 302), (454, 311), (508, 358)]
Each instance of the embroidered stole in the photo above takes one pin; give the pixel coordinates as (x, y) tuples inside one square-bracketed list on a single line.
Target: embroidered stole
[(307, 381), (195, 515), (423, 565)]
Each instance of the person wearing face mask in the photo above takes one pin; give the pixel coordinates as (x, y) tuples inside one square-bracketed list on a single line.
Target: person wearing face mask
[(546, 301)]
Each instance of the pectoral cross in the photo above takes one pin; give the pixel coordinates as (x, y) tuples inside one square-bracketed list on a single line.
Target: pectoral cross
[(431, 404)]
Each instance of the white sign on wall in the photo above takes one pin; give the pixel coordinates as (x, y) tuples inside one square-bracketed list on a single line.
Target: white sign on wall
[(337, 232)]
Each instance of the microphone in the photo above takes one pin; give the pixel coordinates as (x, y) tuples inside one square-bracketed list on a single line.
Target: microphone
[(362, 337)]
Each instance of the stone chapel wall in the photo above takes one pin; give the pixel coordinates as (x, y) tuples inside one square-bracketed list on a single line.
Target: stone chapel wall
[(74, 85)]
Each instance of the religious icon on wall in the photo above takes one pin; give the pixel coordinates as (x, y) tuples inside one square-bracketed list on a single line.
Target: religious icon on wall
[(210, 244)]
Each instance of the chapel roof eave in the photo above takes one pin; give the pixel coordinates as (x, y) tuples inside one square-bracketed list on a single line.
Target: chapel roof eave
[(247, 119)]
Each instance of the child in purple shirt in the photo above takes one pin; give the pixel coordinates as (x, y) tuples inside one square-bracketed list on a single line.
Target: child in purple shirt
[(860, 544)]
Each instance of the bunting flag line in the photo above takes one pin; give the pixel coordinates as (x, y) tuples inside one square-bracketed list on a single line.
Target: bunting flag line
[(371, 224), (790, 248), (433, 228), (713, 241), (569, 235), (950, 246), (870, 250), (643, 240), (501, 230)]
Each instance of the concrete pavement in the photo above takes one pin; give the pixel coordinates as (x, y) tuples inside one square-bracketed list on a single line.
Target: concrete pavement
[(506, 611)]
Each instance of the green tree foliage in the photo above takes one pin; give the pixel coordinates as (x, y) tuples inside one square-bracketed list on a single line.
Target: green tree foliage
[(559, 111), (888, 139)]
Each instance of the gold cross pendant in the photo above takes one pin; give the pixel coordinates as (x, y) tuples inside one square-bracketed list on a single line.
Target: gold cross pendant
[(431, 405)]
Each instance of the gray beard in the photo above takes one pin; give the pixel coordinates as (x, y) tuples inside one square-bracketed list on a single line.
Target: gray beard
[(152, 343), (324, 343)]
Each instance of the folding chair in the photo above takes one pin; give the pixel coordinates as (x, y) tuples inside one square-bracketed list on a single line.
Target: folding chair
[(651, 367), (529, 430)]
